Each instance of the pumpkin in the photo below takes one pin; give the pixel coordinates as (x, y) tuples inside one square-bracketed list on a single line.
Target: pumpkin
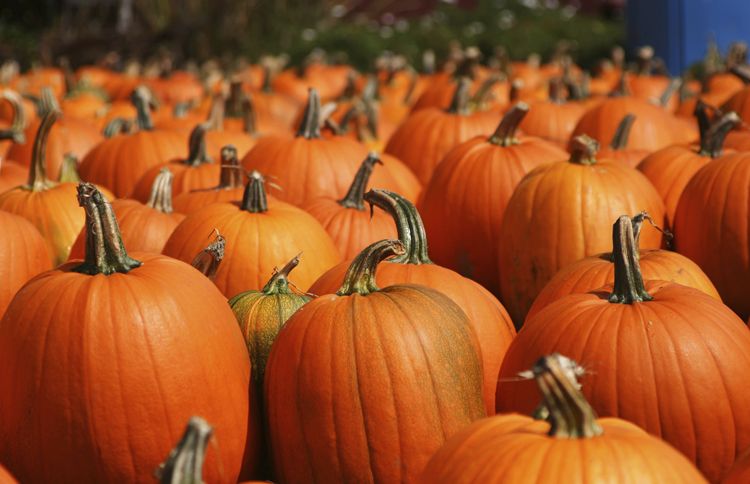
[(49, 206), (351, 227), (618, 147), (219, 135), (740, 471), (144, 227), (230, 186), (120, 307), (178, 87), (554, 218), (597, 271), (670, 169), (274, 107), (555, 119), (35, 81), (118, 162), (309, 166), (646, 85), (464, 202), (659, 353), (740, 100), (13, 131), (738, 139), (5, 477), (427, 135), (487, 316), (710, 226), (23, 254), (12, 175), (84, 104), (68, 135), (373, 351), (195, 172), (259, 231), (572, 445)]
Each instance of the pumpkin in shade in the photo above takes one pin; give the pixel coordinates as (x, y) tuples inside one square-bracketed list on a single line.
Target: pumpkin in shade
[(309, 165), (555, 119), (711, 226), (427, 135), (663, 356), (144, 227), (116, 415), (487, 316), (5, 477), (259, 231), (597, 271), (68, 135), (555, 216), (572, 445), (670, 169), (740, 471), (230, 187), (23, 254), (120, 161), (196, 171), (464, 202), (618, 148), (351, 227), (51, 207), (364, 390)]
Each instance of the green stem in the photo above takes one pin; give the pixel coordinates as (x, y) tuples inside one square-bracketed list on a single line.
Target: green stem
[(48, 101), (620, 139), (460, 102), (629, 287), (712, 142), (309, 128), (184, 465), (105, 252), (254, 199), (505, 134), (570, 415), (161, 192), (69, 169), (355, 196), (207, 261), (279, 282), (409, 225), (197, 153), (38, 180), (141, 99), (360, 278), (673, 87), (117, 126), (230, 175), (17, 126), (484, 90), (583, 150)]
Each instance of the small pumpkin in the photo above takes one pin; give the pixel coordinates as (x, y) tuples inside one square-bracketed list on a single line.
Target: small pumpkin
[(372, 350), (12, 131), (618, 148), (555, 119)]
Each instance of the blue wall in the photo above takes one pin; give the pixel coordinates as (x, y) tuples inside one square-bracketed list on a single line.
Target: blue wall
[(679, 30)]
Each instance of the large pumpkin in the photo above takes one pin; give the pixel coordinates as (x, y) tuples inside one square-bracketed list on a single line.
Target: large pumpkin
[(259, 231), (555, 216), (663, 356), (572, 445), (87, 393), (487, 316), (464, 203), (711, 226), (361, 390)]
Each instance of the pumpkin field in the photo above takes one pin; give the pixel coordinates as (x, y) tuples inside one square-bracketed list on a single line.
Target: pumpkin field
[(460, 264)]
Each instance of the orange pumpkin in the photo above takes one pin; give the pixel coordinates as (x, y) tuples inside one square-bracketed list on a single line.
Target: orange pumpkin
[(487, 316), (618, 147), (12, 131), (230, 187), (740, 471), (464, 203), (120, 307), (555, 119), (259, 231), (572, 445), (554, 218), (373, 349), (659, 353)]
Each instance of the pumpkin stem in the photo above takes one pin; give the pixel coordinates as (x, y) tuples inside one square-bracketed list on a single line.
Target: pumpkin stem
[(583, 150), (161, 192), (184, 465), (360, 278), (207, 260), (279, 282), (230, 175), (48, 101), (355, 196), (117, 126), (741, 71), (17, 126), (181, 110), (629, 286), (505, 134), (409, 225), (215, 119), (105, 252), (197, 154), (620, 139), (249, 119), (141, 99), (622, 89), (254, 199), (484, 90), (267, 76), (556, 90), (673, 87), (645, 58), (233, 106), (712, 141), (69, 169), (310, 125), (413, 80), (570, 415), (38, 180), (460, 102)]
